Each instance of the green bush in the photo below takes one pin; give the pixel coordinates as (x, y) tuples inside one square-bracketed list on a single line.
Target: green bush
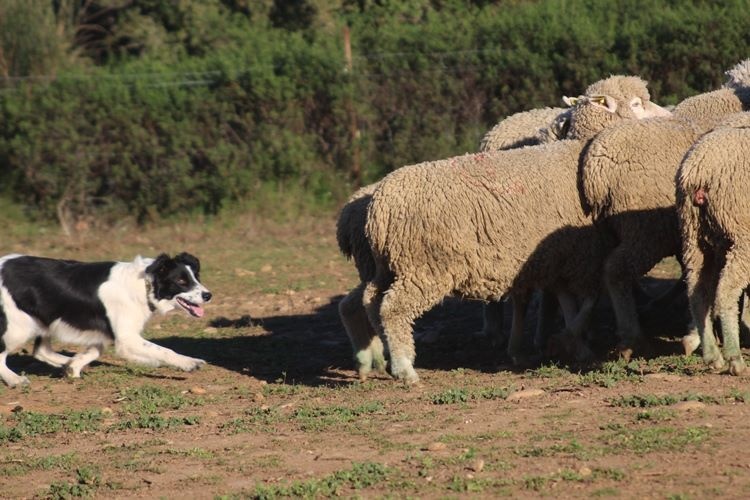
[(206, 104)]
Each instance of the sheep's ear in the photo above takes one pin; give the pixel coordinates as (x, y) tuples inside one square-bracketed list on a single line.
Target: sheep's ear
[(570, 101), (604, 101)]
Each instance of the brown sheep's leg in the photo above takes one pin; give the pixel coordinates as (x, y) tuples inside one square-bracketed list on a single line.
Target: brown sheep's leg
[(732, 281), (621, 270), (515, 342), (701, 276), (368, 349)]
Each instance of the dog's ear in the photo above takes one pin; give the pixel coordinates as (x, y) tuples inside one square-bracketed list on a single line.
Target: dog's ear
[(190, 261), (159, 265)]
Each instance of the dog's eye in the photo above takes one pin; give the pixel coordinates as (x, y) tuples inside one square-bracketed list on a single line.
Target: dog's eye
[(182, 281)]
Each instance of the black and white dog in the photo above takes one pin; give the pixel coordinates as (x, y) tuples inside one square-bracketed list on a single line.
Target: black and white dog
[(94, 304)]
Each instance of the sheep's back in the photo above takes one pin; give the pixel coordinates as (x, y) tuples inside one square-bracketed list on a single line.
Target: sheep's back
[(719, 164), (475, 211), (631, 166)]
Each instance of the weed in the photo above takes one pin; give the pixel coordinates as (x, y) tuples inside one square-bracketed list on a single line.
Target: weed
[(612, 372), (651, 439), (360, 476), (549, 371), (152, 399), (319, 418), (253, 420), (28, 424), (86, 483), (156, 422), (457, 396), (651, 400)]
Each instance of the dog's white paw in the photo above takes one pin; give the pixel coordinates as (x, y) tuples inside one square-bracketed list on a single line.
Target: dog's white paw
[(17, 381), (191, 364)]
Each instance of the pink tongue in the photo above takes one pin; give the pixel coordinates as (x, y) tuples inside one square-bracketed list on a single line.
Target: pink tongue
[(197, 310)]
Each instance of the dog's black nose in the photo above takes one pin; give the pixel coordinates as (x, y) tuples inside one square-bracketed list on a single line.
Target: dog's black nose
[(206, 296)]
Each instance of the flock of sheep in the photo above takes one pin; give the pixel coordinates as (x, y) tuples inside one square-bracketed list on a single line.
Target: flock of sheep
[(569, 202)]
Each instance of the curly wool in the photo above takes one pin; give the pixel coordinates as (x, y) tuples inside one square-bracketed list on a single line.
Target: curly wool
[(714, 214), (484, 225), (523, 129), (627, 182)]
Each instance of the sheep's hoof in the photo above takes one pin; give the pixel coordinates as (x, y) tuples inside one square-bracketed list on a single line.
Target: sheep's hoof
[(624, 352), (715, 364), (736, 366), (690, 343)]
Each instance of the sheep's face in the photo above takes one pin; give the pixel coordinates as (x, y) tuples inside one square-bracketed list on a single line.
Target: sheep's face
[(608, 101)]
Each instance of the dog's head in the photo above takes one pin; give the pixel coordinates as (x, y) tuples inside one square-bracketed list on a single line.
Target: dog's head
[(175, 282)]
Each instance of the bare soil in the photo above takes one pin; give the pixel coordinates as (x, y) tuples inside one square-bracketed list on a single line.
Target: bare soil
[(279, 411)]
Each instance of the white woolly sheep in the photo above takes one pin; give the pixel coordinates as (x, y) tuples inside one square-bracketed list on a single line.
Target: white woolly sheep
[(485, 225), (712, 186), (627, 182), (520, 129)]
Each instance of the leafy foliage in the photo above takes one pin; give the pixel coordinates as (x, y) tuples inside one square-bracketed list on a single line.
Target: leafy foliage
[(169, 108)]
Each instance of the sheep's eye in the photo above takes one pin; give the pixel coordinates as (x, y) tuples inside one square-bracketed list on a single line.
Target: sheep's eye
[(637, 102)]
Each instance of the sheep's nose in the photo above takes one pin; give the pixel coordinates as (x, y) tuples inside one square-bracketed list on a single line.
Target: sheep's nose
[(206, 296)]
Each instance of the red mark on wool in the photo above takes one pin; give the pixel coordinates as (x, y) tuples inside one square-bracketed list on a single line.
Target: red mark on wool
[(700, 197)]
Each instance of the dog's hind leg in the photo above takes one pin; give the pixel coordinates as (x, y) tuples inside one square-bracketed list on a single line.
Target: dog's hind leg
[(16, 329), (80, 360), (43, 352)]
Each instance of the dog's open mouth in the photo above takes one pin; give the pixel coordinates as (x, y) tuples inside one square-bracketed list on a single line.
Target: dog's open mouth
[(192, 309)]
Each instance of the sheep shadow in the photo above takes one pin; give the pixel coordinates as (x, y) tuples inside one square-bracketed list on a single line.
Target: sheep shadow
[(313, 348)]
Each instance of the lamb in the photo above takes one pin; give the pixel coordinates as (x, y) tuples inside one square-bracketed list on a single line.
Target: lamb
[(627, 182), (525, 128), (712, 185), (487, 225)]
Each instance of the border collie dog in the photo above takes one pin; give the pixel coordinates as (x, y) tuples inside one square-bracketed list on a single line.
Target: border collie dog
[(94, 304)]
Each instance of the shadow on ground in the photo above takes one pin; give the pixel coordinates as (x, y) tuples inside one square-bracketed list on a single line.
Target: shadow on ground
[(313, 349)]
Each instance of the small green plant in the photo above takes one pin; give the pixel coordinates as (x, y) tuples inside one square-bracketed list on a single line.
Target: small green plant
[(28, 424), (461, 395), (86, 483), (318, 418), (152, 399), (649, 439), (360, 476), (612, 372), (157, 422)]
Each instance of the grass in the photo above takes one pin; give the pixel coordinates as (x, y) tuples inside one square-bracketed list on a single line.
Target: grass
[(649, 439), (652, 400), (341, 483), (462, 395), (26, 424)]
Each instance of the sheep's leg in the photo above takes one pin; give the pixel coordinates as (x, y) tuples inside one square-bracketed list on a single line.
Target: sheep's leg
[(515, 343), (368, 349), (702, 273), (732, 281), (577, 328), (545, 320), (393, 314), (621, 270), (492, 316)]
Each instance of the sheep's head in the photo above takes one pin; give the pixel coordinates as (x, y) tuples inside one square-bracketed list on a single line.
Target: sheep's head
[(608, 101), (739, 76)]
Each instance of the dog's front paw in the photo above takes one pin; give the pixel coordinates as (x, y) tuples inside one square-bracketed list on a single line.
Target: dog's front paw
[(191, 364), (18, 381)]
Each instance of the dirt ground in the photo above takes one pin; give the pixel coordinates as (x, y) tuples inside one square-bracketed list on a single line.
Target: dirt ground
[(279, 412)]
